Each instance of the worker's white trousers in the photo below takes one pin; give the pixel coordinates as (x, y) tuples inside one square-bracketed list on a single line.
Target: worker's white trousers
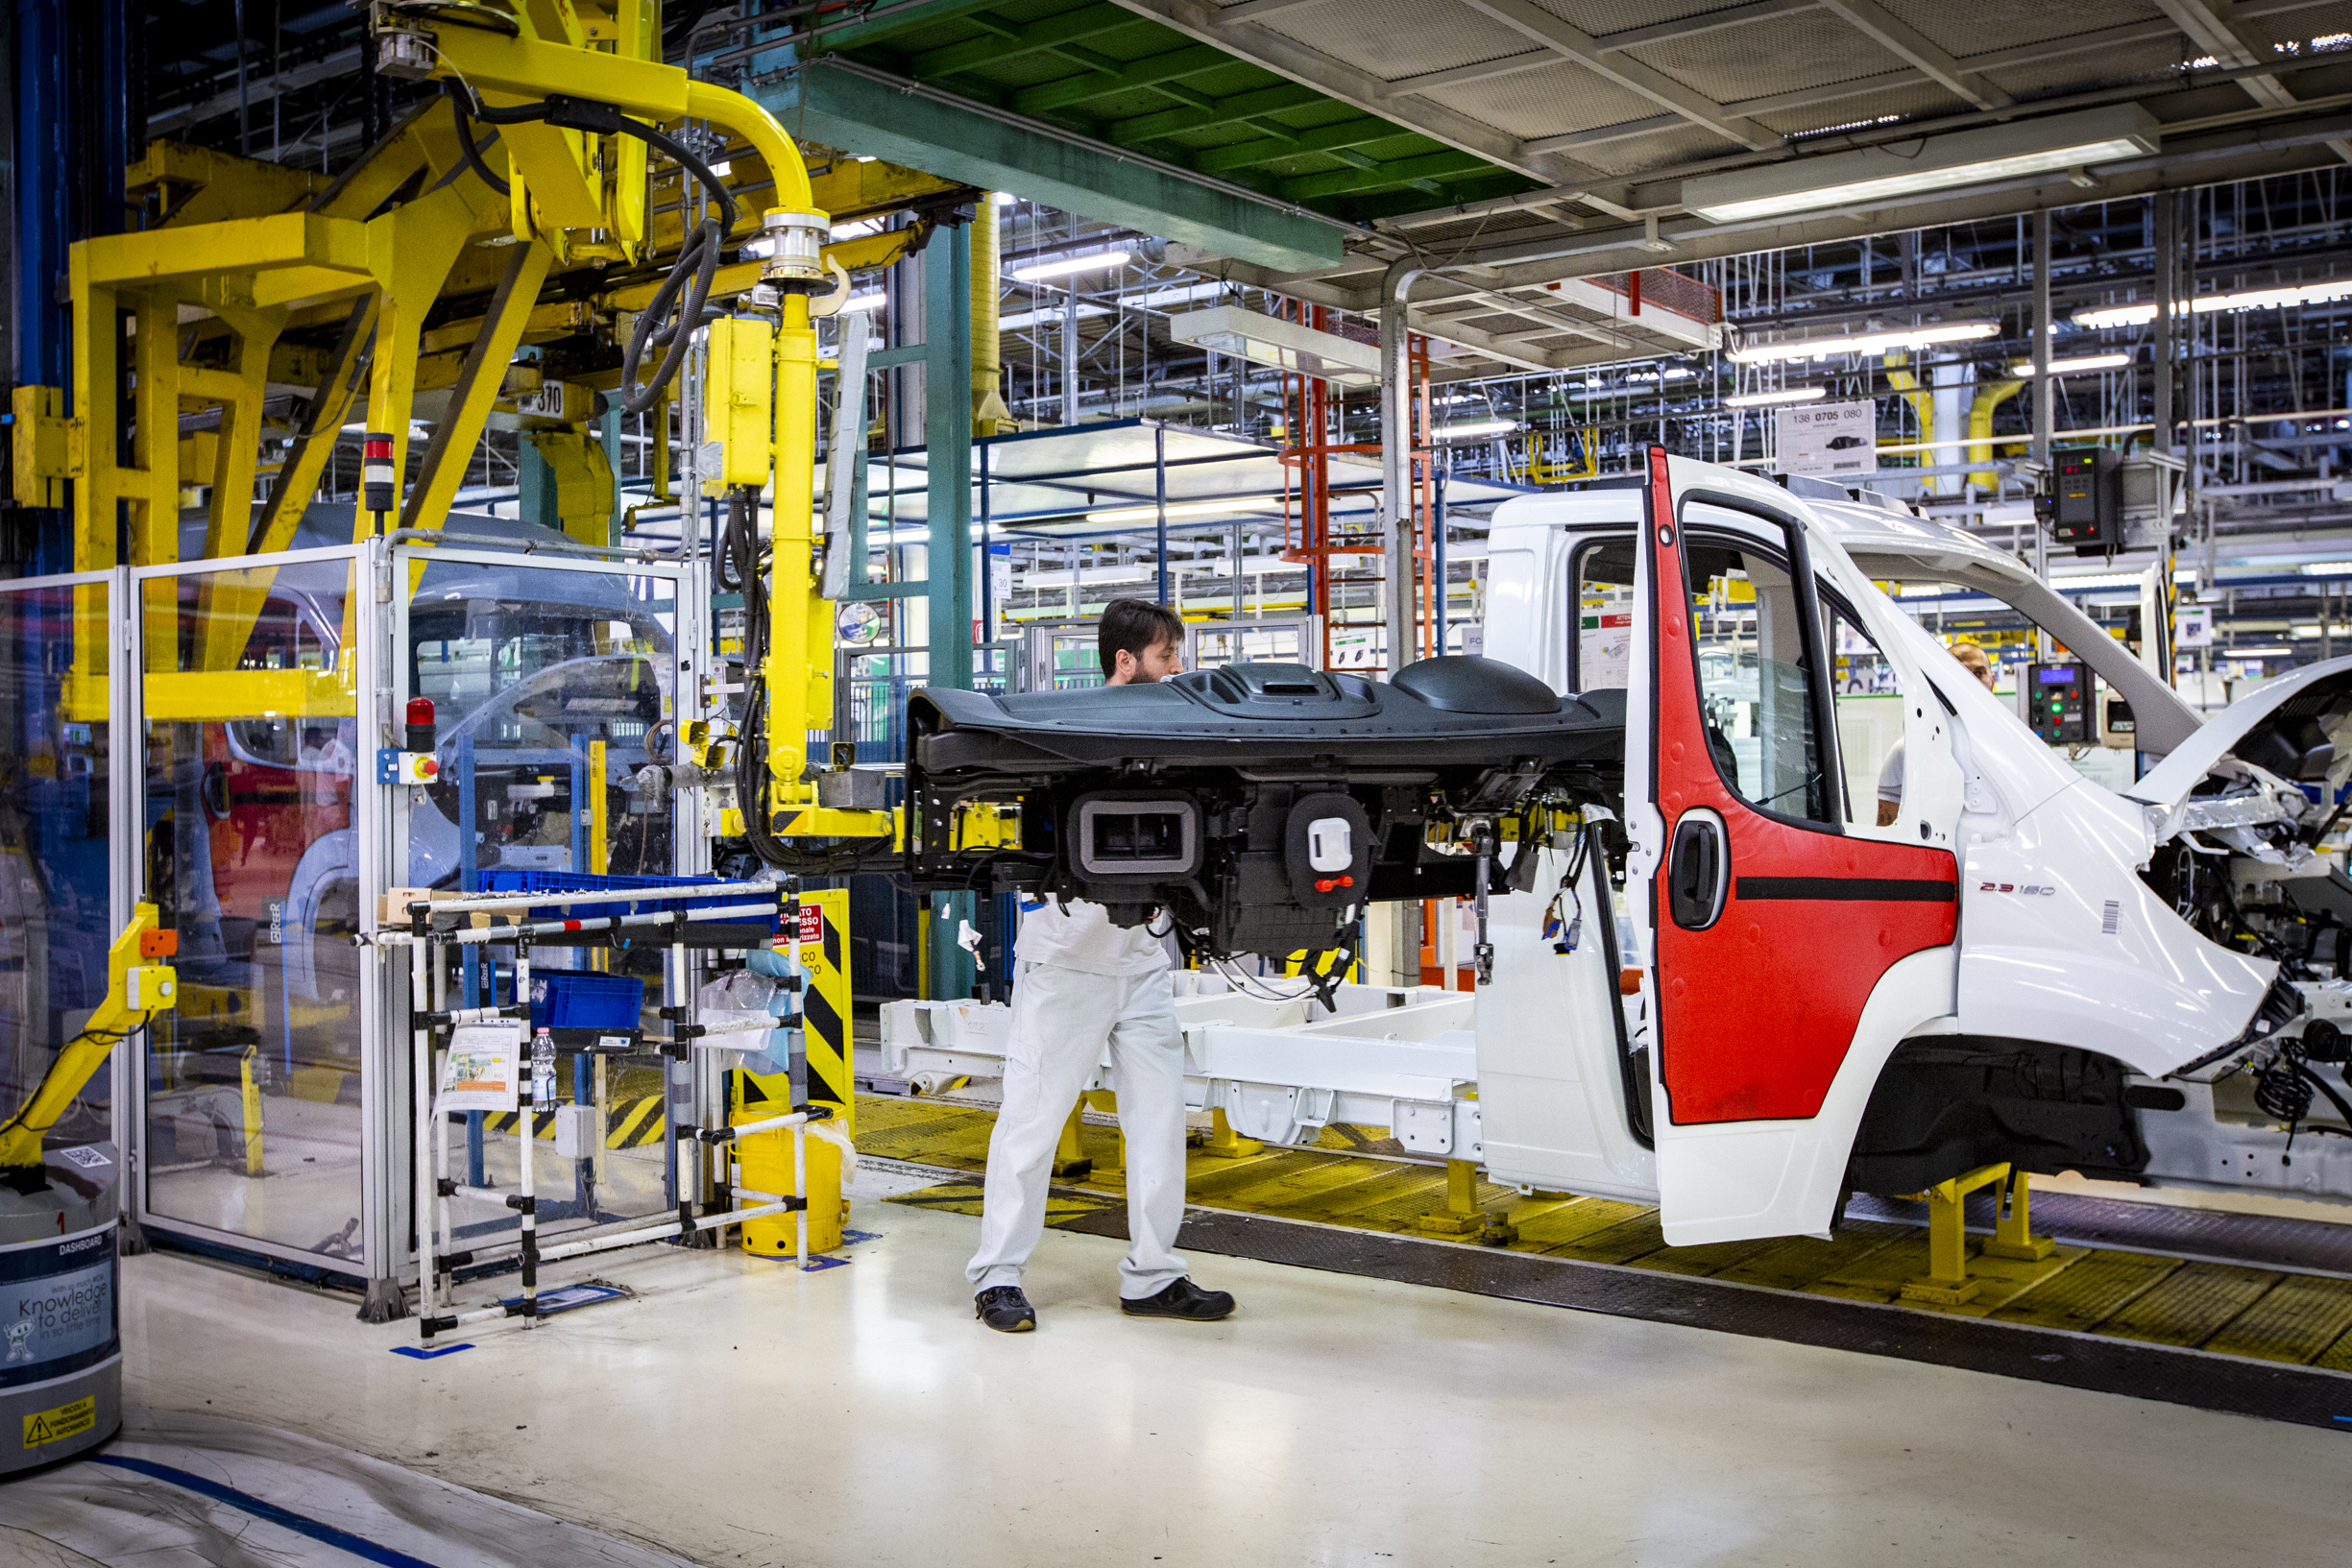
[(1060, 1019)]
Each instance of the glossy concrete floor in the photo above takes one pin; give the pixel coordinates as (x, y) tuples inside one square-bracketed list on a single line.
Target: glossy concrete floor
[(742, 1412)]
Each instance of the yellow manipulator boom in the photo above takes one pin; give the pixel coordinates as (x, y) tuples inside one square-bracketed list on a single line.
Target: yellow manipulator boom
[(136, 989)]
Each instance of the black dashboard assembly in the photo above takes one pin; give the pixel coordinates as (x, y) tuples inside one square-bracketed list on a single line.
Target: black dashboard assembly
[(1259, 805)]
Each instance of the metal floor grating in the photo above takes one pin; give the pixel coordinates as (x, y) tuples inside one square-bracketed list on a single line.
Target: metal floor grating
[(2241, 1323)]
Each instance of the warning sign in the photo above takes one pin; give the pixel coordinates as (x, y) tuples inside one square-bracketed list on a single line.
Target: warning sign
[(65, 1421), (811, 922)]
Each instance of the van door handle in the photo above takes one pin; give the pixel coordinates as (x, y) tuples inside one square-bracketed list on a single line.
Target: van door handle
[(1698, 871)]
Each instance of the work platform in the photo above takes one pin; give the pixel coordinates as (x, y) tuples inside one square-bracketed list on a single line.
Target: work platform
[(2225, 1312)]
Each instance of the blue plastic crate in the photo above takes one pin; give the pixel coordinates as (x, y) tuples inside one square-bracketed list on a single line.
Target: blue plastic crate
[(578, 998), (502, 880)]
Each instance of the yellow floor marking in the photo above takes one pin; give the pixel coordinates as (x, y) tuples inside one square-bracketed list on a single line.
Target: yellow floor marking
[(2093, 1290), (1570, 1223), (1880, 1274), (1795, 1261), (2296, 1321), (2191, 1306), (1712, 1259)]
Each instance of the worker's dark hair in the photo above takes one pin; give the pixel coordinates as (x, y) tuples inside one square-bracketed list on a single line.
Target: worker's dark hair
[(1137, 625)]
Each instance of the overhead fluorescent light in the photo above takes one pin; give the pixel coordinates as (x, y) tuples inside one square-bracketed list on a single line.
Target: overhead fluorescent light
[(1006, 198), (1767, 400), (1864, 343), (856, 302), (2205, 304), (2327, 568), (2067, 366), (1284, 346), (1876, 175), (2254, 653), (1176, 510), (1066, 266), (2102, 579), (1477, 427)]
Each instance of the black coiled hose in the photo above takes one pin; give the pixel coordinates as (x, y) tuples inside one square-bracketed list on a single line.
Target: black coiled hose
[(667, 322)]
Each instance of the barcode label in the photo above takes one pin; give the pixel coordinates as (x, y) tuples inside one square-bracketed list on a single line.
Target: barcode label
[(2111, 918)]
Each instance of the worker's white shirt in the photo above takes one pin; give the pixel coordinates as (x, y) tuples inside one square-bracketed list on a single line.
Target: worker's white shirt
[(1079, 935), (1890, 776)]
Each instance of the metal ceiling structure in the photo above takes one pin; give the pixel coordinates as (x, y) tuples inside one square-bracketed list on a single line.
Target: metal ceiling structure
[(1604, 108)]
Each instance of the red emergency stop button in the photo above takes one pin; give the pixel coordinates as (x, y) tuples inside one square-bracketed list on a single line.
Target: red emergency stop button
[(428, 767)]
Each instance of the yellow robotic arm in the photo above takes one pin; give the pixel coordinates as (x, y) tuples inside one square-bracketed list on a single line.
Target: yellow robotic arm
[(136, 989)]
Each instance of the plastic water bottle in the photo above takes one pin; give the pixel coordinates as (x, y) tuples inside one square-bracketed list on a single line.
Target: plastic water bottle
[(542, 1068)]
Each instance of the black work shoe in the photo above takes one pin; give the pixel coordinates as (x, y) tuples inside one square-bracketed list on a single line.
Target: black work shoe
[(1006, 1309), (1182, 1299)]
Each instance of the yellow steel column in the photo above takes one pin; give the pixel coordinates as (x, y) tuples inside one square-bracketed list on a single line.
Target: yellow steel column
[(154, 441), (798, 673), (238, 456), (93, 441), (2013, 1226)]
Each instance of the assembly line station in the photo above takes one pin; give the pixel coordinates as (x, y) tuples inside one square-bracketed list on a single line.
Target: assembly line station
[(1752, 837)]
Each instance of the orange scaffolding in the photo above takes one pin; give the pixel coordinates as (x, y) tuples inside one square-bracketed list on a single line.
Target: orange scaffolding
[(1311, 424)]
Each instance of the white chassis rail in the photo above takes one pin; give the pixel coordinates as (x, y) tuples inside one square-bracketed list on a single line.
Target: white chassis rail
[(1403, 1058)]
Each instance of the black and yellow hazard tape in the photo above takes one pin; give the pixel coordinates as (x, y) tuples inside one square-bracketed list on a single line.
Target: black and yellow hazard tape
[(628, 1123), (2289, 1317)]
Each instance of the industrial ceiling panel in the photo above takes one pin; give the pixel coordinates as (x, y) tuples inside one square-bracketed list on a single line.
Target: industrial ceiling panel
[(1985, 25), (1545, 102), (1667, 149), (1602, 17), (1396, 38), (1866, 111), (1783, 54), (2153, 61), (2328, 27)]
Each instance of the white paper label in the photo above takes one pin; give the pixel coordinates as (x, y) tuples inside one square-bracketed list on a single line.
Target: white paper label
[(484, 1067)]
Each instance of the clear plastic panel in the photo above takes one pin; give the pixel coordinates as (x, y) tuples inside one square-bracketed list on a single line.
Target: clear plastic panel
[(250, 748), (54, 918), (553, 693)]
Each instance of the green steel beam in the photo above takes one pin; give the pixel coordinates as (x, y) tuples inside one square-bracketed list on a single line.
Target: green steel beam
[(1191, 60), (1163, 123), (860, 35), (1322, 138), (1054, 34), (860, 115), (1409, 171)]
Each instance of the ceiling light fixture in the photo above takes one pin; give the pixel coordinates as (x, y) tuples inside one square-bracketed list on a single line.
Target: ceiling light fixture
[(1862, 343), (1065, 266), (2067, 366), (2327, 568), (1284, 346), (1877, 176), (2205, 304), (857, 303), (1477, 427), (1767, 399), (1176, 510)]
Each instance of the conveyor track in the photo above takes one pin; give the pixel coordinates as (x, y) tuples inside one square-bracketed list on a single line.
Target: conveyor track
[(2223, 1311)]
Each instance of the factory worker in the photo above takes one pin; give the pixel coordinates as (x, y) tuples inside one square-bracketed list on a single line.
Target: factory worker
[(1083, 981), (1890, 777)]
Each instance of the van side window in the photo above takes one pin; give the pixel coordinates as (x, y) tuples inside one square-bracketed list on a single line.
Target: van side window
[(1600, 653), (1754, 678), (1869, 706)]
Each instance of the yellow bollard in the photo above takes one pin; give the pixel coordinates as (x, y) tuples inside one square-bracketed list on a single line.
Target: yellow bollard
[(252, 1112), (765, 1159)]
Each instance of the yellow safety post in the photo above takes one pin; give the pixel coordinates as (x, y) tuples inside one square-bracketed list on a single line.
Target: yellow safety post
[(136, 988), (1460, 1218), (1223, 1142), (1070, 1159), (2012, 1226), (252, 1111), (1946, 1283)]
